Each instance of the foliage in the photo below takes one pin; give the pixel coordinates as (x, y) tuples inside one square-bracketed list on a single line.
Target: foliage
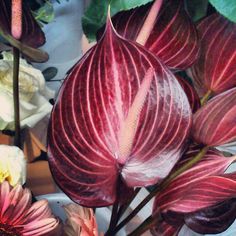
[(96, 14), (225, 7)]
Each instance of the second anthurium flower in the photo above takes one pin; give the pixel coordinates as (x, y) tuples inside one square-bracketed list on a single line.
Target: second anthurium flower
[(215, 123), (120, 115), (203, 197)]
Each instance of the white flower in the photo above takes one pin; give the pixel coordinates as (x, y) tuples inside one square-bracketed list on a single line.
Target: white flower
[(12, 165), (34, 94)]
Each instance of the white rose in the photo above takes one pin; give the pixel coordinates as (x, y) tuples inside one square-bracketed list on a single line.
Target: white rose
[(12, 165), (34, 94)]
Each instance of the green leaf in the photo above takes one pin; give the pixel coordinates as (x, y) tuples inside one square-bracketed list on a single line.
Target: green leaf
[(225, 7), (49, 73), (96, 14), (45, 13), (197, 9)]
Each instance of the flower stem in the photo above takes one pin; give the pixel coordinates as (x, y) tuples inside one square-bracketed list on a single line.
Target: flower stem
[(160, 187), (113, 219), (206, 97), (124, 207), (149, 22), (17, 137)]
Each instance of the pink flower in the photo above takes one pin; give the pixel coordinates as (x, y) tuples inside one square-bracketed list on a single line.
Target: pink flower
[(18, 217), (80, 221)]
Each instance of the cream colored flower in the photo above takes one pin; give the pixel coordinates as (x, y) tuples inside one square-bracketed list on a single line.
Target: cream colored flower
[(80, 221), (34, 94), (12, 165)]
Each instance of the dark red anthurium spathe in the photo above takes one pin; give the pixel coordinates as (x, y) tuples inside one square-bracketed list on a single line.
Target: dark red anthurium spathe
[(191, 93), (203, 187), (173, 37), (32, 35), (120, 114), (215, 123), (215, 69), (220, 216)]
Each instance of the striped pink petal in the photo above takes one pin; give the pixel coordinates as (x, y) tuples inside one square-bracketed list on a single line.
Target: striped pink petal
[(39, 209), (213, 163), (173, 37), (10, 203), (191, 93), (18, 217), (120, 114), (16, 213), (40, 227), (22, 207), (215, 123), (215, 69), (4, 191), (207, 192)]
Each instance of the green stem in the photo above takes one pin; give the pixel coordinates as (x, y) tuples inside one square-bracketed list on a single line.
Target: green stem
[(206, 97), (160, 187), (17, 137)]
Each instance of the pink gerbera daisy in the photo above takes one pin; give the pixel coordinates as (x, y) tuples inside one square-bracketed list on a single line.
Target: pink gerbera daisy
[(18, 217)]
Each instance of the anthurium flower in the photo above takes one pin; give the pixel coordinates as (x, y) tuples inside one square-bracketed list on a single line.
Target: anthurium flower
[(80, 221), (34, 94), (21, 218), (173, 37), (203, 190), (12, 165), (215, 69), (31, 34), (191, 93), (215, 123), (121, 115)]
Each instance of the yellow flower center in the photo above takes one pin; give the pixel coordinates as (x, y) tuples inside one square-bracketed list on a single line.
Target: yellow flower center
[(4, 174)]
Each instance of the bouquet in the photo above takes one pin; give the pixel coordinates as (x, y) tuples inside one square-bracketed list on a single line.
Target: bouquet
[(152, 104)]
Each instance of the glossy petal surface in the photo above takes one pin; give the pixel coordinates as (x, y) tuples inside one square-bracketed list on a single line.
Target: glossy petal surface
[(213, 220), (120, 113), (215, 123), (173, 38), (215, 69), (214, 189), (182, 186), (191, 93)]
